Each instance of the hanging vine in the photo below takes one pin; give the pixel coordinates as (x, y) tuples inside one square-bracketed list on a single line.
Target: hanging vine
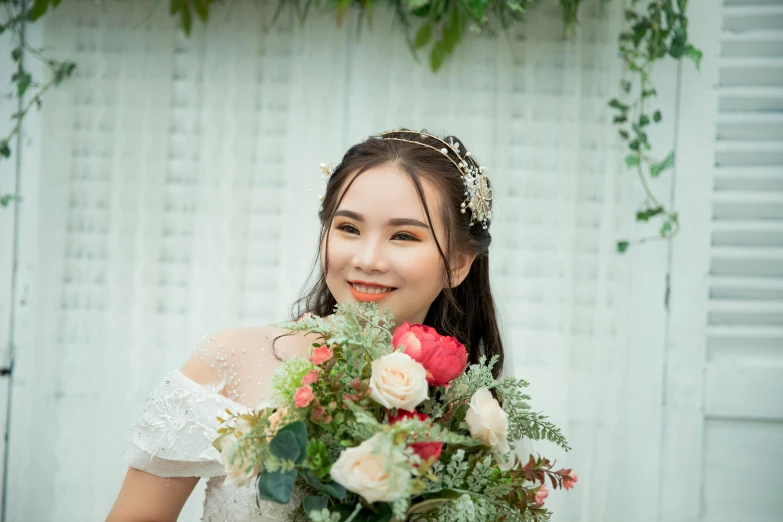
[(656, 30), (654, 33)]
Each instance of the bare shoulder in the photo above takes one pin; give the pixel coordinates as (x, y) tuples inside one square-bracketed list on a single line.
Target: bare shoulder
[(243, 345)]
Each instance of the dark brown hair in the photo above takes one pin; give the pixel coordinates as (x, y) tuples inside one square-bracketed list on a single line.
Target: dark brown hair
[(466, 312)]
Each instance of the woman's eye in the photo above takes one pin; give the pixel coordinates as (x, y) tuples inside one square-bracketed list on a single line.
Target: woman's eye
[(405, 236), (347, 227)]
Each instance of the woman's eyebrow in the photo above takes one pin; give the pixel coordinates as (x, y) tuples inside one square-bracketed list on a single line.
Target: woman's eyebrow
[(393, 222)]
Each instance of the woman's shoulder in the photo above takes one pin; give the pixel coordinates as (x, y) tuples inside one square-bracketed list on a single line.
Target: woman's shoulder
[(243, 347)]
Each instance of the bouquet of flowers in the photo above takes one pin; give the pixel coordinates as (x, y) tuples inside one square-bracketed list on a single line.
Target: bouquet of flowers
[(374, 428)]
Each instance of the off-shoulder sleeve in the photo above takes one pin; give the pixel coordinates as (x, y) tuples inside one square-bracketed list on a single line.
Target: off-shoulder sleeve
[(174, 433)]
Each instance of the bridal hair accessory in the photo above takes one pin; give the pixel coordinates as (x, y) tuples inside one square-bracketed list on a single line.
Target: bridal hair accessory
[(326, 171), (478, 194)]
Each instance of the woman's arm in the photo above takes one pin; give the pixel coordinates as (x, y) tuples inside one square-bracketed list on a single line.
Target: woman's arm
[(147, 498)]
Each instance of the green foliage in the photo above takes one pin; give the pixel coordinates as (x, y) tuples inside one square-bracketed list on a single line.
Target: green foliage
[(359, 331), (522, 422), (29, 91), (331, 488), (288, 377), (276, 486), (656, 30), (290, 442)]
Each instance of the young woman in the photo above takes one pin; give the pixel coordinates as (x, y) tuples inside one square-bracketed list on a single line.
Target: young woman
[(405, 223)]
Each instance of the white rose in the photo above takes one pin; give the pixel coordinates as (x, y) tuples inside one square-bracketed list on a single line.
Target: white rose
[(487, 421), (397, 381), (236, 472), (363, 470)]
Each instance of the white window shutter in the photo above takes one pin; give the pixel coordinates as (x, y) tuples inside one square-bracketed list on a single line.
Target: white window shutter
[(724, 415)]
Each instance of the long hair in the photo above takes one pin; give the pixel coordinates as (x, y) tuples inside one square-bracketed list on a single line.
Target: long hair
[(466, 312)]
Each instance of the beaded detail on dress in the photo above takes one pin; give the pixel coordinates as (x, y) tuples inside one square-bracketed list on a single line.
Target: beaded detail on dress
[(173, 438)]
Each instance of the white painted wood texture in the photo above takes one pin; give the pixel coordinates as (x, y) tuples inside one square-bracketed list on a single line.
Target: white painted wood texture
[(723, 424), (173, 201)]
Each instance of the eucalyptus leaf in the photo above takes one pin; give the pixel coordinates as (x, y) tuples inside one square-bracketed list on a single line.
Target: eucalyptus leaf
[(277, 486), (290, 442), (315, 503), (331, 488)]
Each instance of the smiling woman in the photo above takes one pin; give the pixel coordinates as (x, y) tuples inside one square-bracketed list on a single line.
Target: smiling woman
[(383, 249), (409, 212), (404, 223)]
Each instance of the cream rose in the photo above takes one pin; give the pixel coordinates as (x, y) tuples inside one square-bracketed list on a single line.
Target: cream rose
[(487, 421), (363, 470), (236, 472), (397, 381)]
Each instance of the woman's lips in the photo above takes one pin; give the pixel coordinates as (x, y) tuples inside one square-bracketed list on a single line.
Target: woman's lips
[(361, 296)]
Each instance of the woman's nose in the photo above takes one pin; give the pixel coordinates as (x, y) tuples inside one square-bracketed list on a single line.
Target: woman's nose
[(370, 257)]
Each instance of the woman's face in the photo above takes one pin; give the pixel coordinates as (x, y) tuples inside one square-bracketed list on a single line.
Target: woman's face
[(381, 247)]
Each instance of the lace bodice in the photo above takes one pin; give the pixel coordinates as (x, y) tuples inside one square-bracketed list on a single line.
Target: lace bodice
[(173, 438)]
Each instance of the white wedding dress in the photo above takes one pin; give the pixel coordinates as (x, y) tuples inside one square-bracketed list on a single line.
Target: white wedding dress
[(175, 429)]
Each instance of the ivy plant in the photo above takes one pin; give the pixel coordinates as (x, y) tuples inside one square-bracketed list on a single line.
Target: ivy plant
[(655, 30)]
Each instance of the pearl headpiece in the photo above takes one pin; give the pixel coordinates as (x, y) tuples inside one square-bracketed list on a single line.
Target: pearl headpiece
[(478, 195)]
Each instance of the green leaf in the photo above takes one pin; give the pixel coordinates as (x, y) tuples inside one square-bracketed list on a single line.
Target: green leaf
[(657, 116), (175, 6), (634, 145), (622, 246), (624, 134), (23, 83), (655, 170), (694, 54), (615, 104), (619, 119), (5, 199), (16, 54), (5, 150), (331, 488), (649, 92), (645, 215), (290, 443), (315, 503), (65, 70), (666, 228), (631, 160), (202, 9), (276, 486), (644, 120), (437, 55), (38, 9), (626, 85), (423, 36), (187, 20)]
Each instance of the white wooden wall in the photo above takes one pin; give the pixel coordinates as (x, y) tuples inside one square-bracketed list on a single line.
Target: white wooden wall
[(723, 428), (167, 196)]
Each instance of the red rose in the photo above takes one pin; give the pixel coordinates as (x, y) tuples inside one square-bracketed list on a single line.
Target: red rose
[(443, 357), (425, 450)]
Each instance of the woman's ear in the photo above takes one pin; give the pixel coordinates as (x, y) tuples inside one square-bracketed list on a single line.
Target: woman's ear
[(461, 268)]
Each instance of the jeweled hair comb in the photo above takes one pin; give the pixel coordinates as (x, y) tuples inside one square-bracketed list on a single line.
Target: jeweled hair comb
[(478, 195)]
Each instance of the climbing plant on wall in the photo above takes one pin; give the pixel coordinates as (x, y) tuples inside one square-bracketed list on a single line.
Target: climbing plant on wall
[(655, 30)]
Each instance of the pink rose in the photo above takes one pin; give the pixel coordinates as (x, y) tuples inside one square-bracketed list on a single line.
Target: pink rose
[(541, 494), (321, 355), (444, 358), (425, 450), (311, 377), (303, 396), (570, 480)]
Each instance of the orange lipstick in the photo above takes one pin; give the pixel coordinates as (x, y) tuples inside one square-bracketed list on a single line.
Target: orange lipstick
[(365, 298)]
